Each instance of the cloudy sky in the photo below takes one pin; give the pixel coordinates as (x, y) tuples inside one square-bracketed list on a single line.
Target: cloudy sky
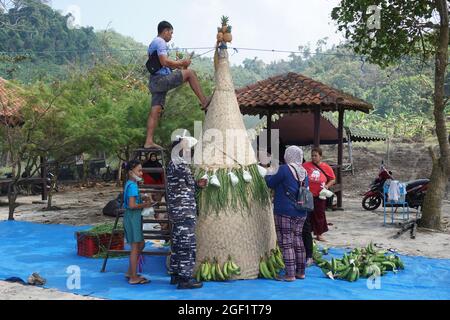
[(265, 24)]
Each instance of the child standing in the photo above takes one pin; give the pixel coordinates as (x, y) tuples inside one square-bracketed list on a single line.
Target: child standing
[(132, 220)]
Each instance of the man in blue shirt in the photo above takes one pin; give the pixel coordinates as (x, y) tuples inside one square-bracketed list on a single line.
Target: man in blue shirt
[(165, 79)]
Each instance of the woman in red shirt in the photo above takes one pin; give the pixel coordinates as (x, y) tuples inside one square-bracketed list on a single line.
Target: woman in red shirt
[(320, 176)]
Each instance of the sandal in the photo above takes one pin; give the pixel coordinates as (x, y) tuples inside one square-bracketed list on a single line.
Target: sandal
[(141, 281), (300, 276), (284, 279)]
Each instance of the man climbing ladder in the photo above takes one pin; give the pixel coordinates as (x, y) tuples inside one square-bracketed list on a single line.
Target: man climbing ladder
[(163, 79)]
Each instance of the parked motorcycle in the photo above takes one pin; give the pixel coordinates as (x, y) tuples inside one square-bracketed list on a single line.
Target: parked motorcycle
[(416, 191), (51, 184)]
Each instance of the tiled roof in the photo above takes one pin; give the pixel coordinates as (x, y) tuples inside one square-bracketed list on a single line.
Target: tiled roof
[(10, 103), (294, 91)]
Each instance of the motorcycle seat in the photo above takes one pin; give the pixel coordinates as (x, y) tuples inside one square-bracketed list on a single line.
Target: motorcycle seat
[(416, 183)]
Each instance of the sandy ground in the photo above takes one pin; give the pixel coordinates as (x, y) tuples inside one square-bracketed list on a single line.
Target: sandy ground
[(350, 228), (11, 291)]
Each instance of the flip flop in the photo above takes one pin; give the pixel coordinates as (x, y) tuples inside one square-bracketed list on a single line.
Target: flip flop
[(155, 146), (300, 277), (142, 281)]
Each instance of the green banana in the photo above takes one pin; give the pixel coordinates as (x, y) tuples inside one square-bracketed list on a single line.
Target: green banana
[(225, 271), (280, 261), (209, 275), (271, 267), (264, 269), (220, 275), (390, 266), (328, 273), (399, 263), (234, 268), (343, 274), (353, 275), (213, 272), (274, 260), (204, 268), (198, 275), (333, 265), (365, 272)]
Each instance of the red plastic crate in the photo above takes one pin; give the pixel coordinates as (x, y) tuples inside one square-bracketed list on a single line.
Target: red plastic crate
[(89, 246)]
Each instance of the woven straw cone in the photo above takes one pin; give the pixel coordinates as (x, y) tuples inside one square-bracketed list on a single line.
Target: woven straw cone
[(245, 234), (224, 115)]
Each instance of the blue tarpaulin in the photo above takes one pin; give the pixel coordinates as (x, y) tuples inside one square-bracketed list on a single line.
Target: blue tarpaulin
[(51, 251)]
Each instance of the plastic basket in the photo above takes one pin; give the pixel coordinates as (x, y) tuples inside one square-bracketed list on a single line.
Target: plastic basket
[(90, 245)]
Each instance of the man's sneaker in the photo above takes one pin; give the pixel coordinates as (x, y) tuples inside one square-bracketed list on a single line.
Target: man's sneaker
[(189, 284)]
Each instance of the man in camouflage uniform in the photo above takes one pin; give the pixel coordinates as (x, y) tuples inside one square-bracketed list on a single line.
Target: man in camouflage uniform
[(182, 207)]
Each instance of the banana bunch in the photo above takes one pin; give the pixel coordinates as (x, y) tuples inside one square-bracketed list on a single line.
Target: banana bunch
[(212, 271), (359, 263), (271, 265)]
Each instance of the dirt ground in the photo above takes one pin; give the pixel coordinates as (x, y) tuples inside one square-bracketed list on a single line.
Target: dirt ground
[(350, 228)]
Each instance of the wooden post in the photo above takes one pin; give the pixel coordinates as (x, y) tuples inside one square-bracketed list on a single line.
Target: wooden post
[(317, 116), (350, 152), (44, 178), (258, 135), (269, 132), (340, 155)]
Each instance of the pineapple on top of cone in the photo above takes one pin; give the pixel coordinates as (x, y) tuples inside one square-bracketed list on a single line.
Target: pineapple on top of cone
[(224, 32)]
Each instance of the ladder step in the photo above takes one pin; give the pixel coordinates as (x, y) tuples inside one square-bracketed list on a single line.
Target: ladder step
[(157, 237), (153, 170), (155, 221), (156, 233), (152, 186), (152, 190), (149, 150), (147, 253)]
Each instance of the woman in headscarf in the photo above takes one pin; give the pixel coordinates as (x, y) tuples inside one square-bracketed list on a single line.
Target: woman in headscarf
[(153, 178), (289, 220)]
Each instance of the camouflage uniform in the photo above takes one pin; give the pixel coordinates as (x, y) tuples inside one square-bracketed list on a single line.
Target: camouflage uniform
[(182, 214)]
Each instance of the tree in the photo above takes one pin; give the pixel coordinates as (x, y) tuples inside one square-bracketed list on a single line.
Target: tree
[(386, 31), (23, 133)]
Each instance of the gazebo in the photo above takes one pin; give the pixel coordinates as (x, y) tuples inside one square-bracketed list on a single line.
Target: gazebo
[(293, 93), (10, 115)]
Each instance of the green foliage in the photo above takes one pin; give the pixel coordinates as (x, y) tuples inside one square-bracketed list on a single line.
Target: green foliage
[(401, 28), (100, 229), (213, 199)]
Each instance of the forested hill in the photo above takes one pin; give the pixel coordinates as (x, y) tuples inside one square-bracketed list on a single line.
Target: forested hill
[(42, 40), (50, 49)]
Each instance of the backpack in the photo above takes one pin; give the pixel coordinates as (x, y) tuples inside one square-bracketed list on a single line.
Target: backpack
[(153, 64), (304, 200), (112, 206)]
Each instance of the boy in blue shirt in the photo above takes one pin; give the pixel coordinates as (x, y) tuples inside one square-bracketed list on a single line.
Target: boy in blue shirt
[(165, 79)]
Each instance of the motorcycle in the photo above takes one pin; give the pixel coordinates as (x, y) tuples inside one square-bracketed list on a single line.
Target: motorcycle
[(416, 191), (51, 184)]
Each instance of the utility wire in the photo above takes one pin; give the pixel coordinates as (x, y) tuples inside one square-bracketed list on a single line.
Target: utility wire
[(210, 49)]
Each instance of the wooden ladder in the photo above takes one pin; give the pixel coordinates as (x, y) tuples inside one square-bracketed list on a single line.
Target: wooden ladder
[(142, 155)]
